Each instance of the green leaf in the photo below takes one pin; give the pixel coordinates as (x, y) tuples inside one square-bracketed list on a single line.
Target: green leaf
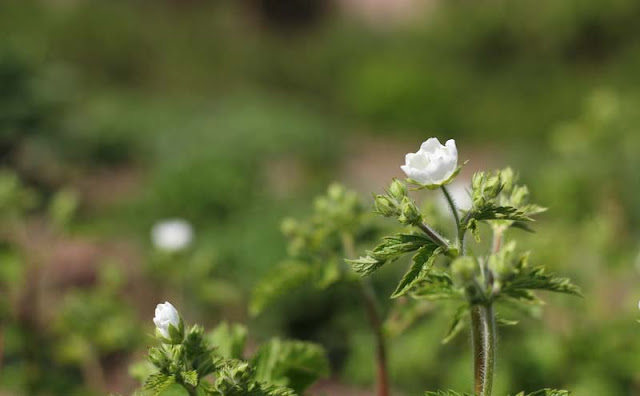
[(390, 249), (158, 382), (537, 279), (174, 390), (229, 340), (422, 262), (277, 283), (446, 393), (437, 285), (457, 324), (190, 377), (293, 364), (327, 273)]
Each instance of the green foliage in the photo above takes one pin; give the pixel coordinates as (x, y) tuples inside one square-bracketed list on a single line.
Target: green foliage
[(213, 365), (546, 392), (317, 246), (497, 199), (422, 262), (391, 249), (446, 393), (293, 364), (229, 340), (277, 283)]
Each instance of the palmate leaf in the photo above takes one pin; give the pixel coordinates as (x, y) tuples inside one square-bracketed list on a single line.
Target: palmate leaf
[(390, 249), (277, 283), (293, 364), (422, 262), (537, 279)]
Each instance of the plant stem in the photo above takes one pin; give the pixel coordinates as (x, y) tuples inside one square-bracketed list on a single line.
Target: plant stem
[(373, 313), (454, 208), (483, 340), (483, 334), (433, 235)]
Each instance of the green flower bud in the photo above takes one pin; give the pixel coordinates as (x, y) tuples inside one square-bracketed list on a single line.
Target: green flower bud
[(398, 189), (385, 206), (409, 212)]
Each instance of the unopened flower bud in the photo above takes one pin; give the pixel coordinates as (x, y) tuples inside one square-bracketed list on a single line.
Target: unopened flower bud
[(409, 212), (398, 190), (385, 206), (168, 322)]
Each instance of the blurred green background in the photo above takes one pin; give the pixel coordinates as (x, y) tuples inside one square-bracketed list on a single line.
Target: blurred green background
[(234, 114)]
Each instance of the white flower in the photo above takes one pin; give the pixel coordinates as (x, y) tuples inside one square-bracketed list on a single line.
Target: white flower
[(172, 235), (166, 315), (433, 164)]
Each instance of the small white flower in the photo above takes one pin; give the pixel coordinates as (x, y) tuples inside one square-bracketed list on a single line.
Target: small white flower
[(433, 164), (166, 315), (172, 235)]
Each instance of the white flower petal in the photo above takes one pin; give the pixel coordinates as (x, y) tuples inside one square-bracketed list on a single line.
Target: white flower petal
[(433, 164)]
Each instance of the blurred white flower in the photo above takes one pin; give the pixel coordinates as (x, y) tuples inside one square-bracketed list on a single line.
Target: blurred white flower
[(172, 235), (166, 315), (460, 193), (433, 164)]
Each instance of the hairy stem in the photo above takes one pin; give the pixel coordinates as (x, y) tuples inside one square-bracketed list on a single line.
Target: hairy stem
[(454, 208), (375, 321), (433, 235), (483, 340)]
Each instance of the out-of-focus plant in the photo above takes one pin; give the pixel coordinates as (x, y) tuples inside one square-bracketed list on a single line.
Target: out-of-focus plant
[(94, 324), (477, 281), (317, 246), (188, 361)]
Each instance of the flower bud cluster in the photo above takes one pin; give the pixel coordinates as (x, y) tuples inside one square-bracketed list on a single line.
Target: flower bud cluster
[(395, 202)]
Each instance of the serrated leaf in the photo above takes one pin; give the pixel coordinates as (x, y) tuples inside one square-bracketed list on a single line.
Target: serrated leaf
[(158, 382), (293, 364), (457, 324), (437, 285), (537, 279), (422, 262), (390, 249), (277, 283)]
